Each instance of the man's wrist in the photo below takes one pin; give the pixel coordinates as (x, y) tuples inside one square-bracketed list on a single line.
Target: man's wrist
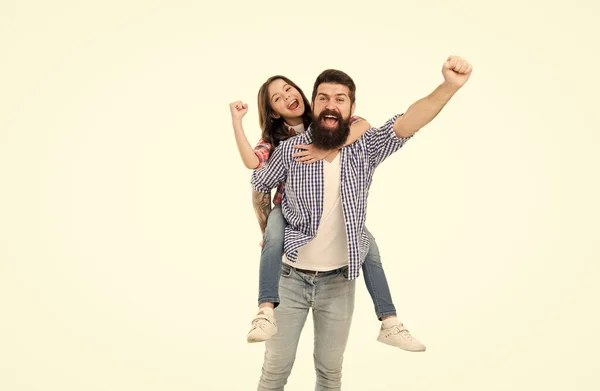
[(448, 88)]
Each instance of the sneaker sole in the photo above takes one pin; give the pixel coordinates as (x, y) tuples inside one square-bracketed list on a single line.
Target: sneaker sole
[(256, 339), (383, 341)]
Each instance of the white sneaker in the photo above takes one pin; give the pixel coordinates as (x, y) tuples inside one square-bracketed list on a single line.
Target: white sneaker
[(263, 327), (399, 337)]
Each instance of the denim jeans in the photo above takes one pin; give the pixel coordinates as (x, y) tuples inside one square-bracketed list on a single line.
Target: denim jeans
[(376, 281), (331, 297), (270, 258), (270, 265)]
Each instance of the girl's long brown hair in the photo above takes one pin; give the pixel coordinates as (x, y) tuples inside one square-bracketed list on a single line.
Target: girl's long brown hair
[(273, 129)]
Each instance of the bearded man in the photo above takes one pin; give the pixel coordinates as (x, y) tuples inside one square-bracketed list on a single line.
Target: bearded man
[(325, 206)]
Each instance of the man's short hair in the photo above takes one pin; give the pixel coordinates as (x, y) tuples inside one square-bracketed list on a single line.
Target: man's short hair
[(335, 77)]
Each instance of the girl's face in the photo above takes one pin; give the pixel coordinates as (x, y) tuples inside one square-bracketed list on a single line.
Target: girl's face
[(285, 101)]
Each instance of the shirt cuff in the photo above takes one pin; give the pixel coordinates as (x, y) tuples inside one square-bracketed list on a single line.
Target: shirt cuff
[(393, 134), (259, 187)]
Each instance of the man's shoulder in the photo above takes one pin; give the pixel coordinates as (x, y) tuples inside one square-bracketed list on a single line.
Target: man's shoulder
[(294, 140), (373, 133)]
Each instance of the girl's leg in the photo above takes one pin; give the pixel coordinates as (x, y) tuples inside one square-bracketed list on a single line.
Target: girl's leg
[(270, 258), (376, 281), (392, 332), (263, 324)]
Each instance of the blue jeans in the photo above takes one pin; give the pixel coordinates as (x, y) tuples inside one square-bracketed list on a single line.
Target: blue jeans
[(376, 281), (331, 297), (270, 264), (270, 258)]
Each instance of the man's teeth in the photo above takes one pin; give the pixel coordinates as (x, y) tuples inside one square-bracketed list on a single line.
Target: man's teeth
[(331, 116)]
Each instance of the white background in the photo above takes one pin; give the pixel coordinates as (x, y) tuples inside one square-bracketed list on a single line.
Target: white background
[(129, 247)]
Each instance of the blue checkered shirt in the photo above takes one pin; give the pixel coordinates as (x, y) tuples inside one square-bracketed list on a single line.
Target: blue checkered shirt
[(302, 203)]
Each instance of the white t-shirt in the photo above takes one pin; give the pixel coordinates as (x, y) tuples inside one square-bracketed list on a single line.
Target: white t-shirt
[(329, 249), (298, 129)]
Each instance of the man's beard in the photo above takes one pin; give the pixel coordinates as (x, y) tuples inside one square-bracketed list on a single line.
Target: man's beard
[(330, 138)]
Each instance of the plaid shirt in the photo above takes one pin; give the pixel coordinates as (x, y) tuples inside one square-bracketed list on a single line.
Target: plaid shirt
[(263, 151), (302, 203)]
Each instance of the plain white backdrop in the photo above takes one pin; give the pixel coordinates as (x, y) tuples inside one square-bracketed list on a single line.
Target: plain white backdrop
[(128, 245)]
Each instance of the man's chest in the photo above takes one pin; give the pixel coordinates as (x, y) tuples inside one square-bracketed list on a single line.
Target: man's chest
[(348, 172)]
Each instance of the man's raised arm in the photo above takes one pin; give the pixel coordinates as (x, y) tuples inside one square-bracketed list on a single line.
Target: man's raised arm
[(456, 72)]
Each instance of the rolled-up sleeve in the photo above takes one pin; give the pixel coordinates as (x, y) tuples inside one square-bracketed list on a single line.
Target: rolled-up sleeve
[(271, 174), (262, 152), (383, 141)]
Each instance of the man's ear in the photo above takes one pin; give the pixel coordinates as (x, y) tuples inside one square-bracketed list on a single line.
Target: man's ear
[(352, 109)]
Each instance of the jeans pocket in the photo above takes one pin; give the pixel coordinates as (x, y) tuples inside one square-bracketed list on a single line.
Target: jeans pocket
[(286, 270)]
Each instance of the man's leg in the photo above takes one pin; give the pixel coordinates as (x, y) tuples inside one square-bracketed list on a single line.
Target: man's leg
[(332, 313), (291, 315)]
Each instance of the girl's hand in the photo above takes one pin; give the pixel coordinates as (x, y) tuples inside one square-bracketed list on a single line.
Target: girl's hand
[(238, 110), (310, 153)]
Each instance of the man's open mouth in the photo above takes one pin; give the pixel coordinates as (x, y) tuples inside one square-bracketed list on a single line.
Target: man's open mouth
[(330, 120)]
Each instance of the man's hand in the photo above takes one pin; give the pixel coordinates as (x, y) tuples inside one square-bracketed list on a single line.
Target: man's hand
[(310, 153), (238, 110), (456, 71)]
